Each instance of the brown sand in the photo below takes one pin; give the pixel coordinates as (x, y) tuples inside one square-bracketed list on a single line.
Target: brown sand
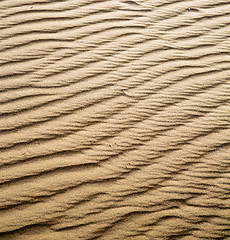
[(114, 119)]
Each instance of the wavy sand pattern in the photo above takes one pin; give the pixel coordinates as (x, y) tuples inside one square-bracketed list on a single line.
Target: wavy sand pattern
[(114, 119)]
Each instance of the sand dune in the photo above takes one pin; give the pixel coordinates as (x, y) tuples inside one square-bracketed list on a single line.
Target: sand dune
[(114, 119)]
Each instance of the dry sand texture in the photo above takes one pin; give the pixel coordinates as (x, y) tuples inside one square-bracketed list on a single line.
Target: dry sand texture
[(114, 119)]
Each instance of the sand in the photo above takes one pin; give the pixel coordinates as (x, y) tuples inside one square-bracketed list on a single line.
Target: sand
[(114, 119)]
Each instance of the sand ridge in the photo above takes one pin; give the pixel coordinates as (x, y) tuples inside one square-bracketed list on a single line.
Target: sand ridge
[(114, 119)]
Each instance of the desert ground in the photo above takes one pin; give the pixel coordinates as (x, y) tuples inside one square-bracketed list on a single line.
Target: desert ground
[(114, 119)]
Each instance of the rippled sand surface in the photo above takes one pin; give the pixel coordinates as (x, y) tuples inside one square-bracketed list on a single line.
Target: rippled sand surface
[(114, 119)]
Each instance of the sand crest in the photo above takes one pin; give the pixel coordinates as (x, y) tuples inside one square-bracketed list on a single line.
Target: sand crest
[(114, 119)]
